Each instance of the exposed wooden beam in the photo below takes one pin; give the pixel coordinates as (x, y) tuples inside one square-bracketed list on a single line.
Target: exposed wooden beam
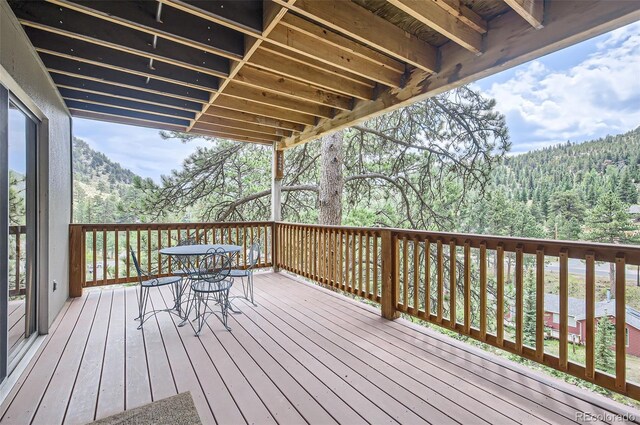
[(464, 14), (271, 16), (71, 24), (269, 81), (115, 111), (216, 121), (318, 43), (115, 90), (235, 132), (510, 42), (430, 13), (246, 117), (364, 26), (243, 105), (77, 50), (131, 105), (175, 25), (531, 10), (276, 100), (232, 136), (275, 62), (92, 115)]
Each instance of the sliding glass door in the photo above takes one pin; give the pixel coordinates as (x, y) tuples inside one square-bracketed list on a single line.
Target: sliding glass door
[(18, 193)]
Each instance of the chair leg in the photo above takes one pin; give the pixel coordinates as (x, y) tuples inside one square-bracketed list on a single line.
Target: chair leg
[(144, 292), (224, 308)]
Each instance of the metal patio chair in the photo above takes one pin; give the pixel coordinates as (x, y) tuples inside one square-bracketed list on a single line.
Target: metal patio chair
[(145, 283), (246, 273), (212, 284)]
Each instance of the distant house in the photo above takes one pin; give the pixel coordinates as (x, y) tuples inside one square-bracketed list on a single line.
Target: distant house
[(634, 212), (577, 320)]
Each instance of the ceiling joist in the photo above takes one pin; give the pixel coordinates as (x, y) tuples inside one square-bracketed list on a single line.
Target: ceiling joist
[(531, 10), (215, 111)]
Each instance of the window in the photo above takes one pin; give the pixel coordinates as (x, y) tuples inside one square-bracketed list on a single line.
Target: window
[(556, 318), (626, 336), (572, 321)]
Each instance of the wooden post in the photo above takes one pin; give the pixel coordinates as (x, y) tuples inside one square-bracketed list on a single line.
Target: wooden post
[(277, 171), (76, 260), (388, 299)]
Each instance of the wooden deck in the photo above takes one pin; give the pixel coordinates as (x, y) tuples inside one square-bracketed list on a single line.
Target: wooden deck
[(304, 355), (16, 322)]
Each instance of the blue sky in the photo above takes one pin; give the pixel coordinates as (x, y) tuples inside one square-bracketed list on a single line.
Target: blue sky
[(580, 93)]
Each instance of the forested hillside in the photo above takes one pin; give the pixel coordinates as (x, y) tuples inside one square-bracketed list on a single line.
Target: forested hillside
[(102, 189), (562, 192)]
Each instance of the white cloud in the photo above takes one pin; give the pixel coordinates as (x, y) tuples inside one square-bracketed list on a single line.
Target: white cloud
[(598, 96)]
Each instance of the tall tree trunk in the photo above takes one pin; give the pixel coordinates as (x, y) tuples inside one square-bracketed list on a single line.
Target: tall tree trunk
[(331, 179)]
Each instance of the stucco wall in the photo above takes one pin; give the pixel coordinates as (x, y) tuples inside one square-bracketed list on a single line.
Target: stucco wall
[(20, 61)]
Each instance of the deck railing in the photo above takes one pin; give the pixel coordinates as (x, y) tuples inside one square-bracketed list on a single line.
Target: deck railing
[(17, 243), (99, 253), (490, 288)]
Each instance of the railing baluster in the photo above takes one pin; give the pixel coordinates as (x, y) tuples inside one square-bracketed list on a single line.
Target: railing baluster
[(564, 309), (500, 295), (354, 282), (116, 254), (149, 250), (590, 281), (467, 286), (128, 241), (621, 325), (519, 296), (483, 291), (440, 265), (375, 266), (405, 274), (104, 257), (452, 283), (18, 260), (427, 278), (345, 239), (540, 304), (368, 260), (95, 254), (360, 283), (416, 275)]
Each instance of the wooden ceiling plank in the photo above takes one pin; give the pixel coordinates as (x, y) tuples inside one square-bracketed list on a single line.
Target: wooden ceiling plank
[(316, 48), (346, 76), (260, 78), (196, 8), (104, 100), (243, 105), (242, 125), (364, 26), (149, 54), (116, 90), (275, 100), (464, 14), (214, 111), (434, 16), (510, 42), (531, 10), (235, 137), (235, 132), (92, 115), (77, 50), (175, 25), (283, 65), (112, 110), (341, 42)]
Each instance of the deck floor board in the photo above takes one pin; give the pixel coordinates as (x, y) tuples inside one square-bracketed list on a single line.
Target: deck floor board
[(303, 355)]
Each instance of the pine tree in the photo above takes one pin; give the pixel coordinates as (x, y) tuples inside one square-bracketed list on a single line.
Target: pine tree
[(605, 333), (627, 189)]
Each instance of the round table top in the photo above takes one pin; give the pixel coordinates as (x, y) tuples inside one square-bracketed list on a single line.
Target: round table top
[(199, 249)]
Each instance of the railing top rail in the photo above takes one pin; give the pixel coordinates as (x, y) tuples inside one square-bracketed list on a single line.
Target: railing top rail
[(164, 226), (574, 249), (14, 230)]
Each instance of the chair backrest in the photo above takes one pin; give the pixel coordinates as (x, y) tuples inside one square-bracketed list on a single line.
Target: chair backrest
[(215, 266), (188, 241), (254, 255), (136, 264)]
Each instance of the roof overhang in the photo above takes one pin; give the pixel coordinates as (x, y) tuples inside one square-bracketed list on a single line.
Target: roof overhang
[(289, 71)]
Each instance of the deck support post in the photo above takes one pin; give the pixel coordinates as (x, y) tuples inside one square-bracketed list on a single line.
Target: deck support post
[(76, 260), (277, 171), (388, 301)]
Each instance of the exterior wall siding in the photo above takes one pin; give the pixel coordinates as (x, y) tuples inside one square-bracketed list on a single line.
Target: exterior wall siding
[(21, 67)]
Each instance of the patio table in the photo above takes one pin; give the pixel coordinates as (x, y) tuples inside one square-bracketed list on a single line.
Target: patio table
[(186, 256)]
